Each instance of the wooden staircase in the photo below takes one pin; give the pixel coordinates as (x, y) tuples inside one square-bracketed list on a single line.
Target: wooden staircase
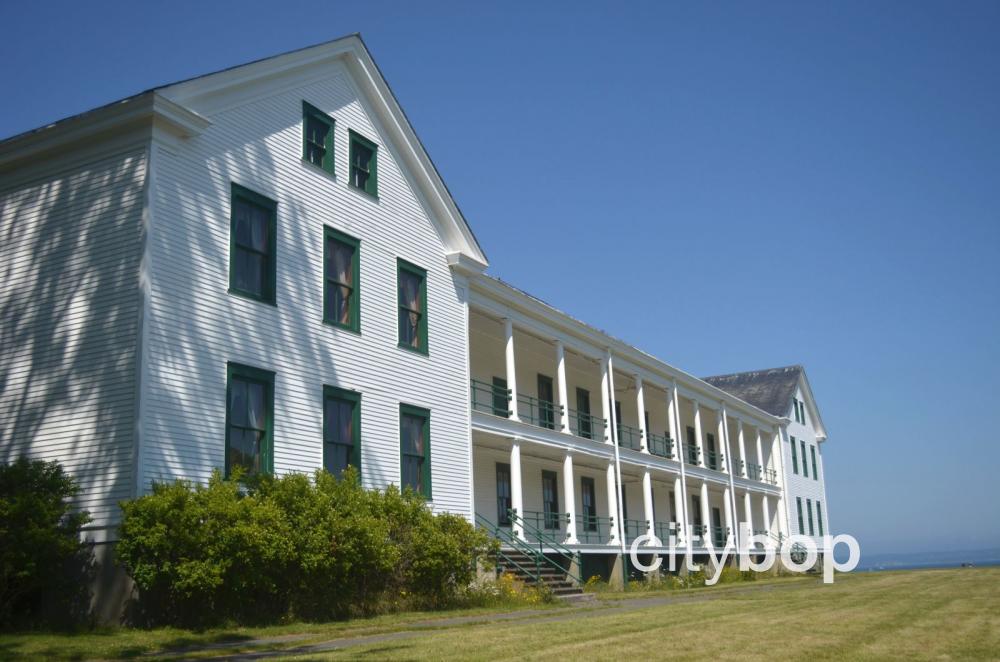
[(524, 567)]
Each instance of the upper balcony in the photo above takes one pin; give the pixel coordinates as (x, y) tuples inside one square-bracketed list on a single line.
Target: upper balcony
[(539, 382)]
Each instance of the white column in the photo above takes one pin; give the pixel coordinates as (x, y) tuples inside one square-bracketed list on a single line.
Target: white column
[(748, 512), (613, 505), (640, 402), (743, 449), (672, 424), (727, 511), (782, 522), (569, 496), (647, 501), (697, 433), (706, 517), (508, 330), (765, 510), (722, 445), (680, 510), (563, 393), (516, 498), (760, 460), (615, 469), (604, 400)]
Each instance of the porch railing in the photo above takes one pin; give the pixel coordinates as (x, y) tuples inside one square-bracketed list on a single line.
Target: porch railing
[(754, 472), (692, 454), (719, 535), (633, 529), (664, 530), (545, 540), (540, 413), (662, 446), (714, 460), (594, 529), (490, 399), (771, 476), (545, 521), (629, 437), (587, 426), (698, 532)]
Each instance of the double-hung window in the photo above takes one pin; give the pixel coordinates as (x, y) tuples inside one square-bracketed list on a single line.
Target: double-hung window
[(249, 419), (798, 505), (341, 280), (317, 137), (364, 164), (812, 452), (795, 457), (805, 467), (412, 292), (252, 244), (809, 509), (341, 430), (550, 499), (415, 449), (819, 517)]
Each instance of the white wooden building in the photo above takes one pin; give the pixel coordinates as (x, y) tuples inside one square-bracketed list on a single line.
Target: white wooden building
[(261, 267)]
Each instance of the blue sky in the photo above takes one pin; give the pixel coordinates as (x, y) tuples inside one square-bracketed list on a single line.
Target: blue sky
[(729, 186)]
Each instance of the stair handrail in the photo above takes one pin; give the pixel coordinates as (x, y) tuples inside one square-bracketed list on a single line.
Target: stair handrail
[(545, 538), (505, 536)]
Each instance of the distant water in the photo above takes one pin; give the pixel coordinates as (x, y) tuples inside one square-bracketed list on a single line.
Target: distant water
[(916, 561)]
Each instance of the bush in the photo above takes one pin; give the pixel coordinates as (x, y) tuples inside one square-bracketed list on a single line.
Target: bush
[(45, 568), (290, 547)]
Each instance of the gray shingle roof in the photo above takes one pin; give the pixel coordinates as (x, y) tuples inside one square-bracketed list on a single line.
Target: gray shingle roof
[(771, 390)]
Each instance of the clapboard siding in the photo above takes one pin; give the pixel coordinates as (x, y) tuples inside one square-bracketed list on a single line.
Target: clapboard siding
[(195, 327), (798, 484), (69, 299)]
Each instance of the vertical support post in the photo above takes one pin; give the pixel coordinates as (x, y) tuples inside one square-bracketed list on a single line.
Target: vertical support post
[(605, 412), (742, 448), (672, 428), (680, 510), (613, 509), (706, 517), (516, 496), (697, 433), (640, 403), (728, 513), (760, 462), (721, 431), (569, 496), (563, 392), (748, 513), (765, 510), (508, 330), (647, 502)]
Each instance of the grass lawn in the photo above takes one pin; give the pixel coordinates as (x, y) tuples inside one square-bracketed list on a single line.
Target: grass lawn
[(940, 614)]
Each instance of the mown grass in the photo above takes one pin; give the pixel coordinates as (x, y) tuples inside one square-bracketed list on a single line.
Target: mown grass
[(928, 614)]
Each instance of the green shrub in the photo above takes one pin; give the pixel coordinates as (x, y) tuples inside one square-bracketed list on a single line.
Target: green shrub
[(291, 547), (45, 568)]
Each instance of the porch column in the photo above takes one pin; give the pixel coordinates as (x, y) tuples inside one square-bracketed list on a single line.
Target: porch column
[(647, 501), (613, 505), (782, 524), (605, 413), (508, 330), (747, 514), (640, 403), (671, 425), (679, 510), (727, 511), (743, 450), (569, 496), (516, 499), (765, 510), (563, 394), (722, 441), (706, 517), (760, 463), (697, 432)]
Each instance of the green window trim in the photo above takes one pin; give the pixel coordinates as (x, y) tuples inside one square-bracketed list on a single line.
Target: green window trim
[(805, 467), (331, 283), (795, 457), (317, 137), (340, 395), (418, 342), (798, 504), (819, 517), (268, 286), (809, 510), (363, 172), (265, 378), (812, 451), (410, 411)]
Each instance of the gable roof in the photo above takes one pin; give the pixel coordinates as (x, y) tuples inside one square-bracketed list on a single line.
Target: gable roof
[(167, 105)]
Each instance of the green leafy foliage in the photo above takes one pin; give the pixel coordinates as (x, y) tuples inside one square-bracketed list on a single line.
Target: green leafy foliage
[(45, 568), (291, 547)]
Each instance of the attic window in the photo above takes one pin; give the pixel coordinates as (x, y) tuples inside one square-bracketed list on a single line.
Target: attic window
[(317, 137), (364, 164)]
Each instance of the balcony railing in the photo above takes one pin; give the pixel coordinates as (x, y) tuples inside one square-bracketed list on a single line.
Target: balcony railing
[(587, 426), (545, 521), (594, 529), (714, 460), (537, 412), (490, 399), (634, 528), (719, 535), (662, 446), (771, 476), (629, 437), (698, 532), (692, 455), (664, 530), (754, 471)]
